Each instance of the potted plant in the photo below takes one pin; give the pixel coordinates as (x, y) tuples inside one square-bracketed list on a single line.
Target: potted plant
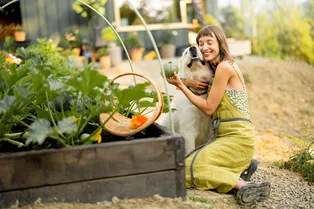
[(104, 57), (74, 38), (135, 46), (115, 51), (88, 13), (19, 34), (168, 48)]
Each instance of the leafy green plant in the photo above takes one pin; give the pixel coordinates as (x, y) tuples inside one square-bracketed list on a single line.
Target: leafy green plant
[(133, 41), (303, 161), (73, 37), (9, 44), (108, 34), (168, 37), (19, 27), (102, 52)]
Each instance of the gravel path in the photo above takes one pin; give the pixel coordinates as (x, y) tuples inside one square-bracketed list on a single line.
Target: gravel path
[(288, 189)]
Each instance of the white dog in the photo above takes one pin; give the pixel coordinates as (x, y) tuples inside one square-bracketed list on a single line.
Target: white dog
[(188, 120)]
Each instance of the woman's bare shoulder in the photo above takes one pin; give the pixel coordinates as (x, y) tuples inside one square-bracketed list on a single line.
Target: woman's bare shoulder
[(225, 67)]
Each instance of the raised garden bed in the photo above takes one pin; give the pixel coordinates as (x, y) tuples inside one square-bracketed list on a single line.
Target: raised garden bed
[(126, 169)]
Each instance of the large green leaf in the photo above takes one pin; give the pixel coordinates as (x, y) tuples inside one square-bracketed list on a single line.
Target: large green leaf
[(38, 131), (67, 125), (6, 103), (87, 80), (133, 93)]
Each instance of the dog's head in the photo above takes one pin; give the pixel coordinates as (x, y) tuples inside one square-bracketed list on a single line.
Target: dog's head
[(193, 65)]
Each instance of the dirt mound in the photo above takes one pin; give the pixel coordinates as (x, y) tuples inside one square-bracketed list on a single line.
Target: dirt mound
[(281, 94)]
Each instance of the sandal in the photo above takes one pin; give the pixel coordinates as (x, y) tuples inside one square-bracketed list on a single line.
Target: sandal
[(253, 192), (247, 173)]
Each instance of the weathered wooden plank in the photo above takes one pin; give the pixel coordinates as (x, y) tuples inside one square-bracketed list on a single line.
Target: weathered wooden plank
[(136, 186), (49, 167)]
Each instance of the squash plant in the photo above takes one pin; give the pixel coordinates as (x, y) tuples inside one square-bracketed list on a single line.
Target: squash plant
[(45, 103)]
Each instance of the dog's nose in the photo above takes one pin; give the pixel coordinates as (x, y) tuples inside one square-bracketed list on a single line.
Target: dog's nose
[(193, 51), (192, 48)]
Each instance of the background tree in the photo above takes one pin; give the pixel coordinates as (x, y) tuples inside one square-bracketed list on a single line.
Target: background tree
[(284, 33), (232, 21)]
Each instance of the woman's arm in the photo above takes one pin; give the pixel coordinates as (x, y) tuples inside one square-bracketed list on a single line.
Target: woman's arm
[(209, 105), (195, 84)]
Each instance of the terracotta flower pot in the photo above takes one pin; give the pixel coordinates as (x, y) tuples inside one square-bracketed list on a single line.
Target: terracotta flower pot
[(168, 51), (105, 62), (20, 36), (137, 54)]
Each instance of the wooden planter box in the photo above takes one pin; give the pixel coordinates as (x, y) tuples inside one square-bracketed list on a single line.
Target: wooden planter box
[(89, 174)]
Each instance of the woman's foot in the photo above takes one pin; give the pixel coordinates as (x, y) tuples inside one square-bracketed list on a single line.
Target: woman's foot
[(253, 192)]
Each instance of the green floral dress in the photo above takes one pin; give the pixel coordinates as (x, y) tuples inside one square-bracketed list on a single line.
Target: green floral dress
[(219, 163)]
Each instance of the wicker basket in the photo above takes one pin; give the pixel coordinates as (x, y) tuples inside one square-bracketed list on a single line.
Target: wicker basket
[(119, 125)]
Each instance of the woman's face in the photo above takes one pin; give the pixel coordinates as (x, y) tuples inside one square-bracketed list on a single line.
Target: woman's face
[(210, 48)]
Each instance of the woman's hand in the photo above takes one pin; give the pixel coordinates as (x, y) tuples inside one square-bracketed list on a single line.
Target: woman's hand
[(175, 80), (196, 84)]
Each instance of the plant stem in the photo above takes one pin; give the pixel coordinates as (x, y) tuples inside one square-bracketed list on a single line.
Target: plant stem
[(20, 121), (14, 135), (59, 139), (11, 141), (52, 119)]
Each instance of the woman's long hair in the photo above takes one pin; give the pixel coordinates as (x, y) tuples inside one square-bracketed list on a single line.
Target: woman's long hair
[(214, 30)]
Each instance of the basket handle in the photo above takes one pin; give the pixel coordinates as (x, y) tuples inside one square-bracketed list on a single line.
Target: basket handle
[(120, 125)]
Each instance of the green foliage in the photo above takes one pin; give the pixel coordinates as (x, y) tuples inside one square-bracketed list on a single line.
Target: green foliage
[(209, 20), (133, 41), (284, 34), (232, 22), (168, 36), (309, 15), (108, 34), (9, 44), (134, 100), (19, 27), (72, 38), (85, 11), (102, 52), (303, 161)]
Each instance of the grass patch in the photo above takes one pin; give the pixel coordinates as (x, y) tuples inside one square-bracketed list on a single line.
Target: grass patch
[(312, 101), (303, 161), (297, 140), (300, 163)]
